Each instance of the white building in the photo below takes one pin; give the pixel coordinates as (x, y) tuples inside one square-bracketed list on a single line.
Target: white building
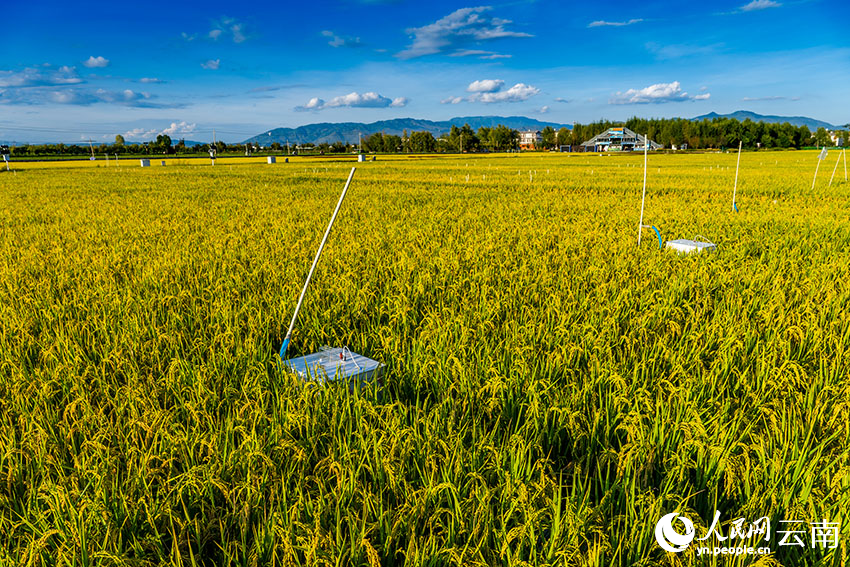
[(530, 140)]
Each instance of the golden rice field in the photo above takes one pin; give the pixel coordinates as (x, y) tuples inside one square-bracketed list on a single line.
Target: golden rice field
[(551, 389)]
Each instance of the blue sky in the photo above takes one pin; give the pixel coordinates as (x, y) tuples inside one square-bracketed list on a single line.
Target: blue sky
[(71, 72)]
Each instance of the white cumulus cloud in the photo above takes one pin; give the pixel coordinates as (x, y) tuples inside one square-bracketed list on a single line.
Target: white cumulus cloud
[(211, 64), (354, 100), (517, 93), (656, 94), (456, 32), (491, 90), (314, 103), (175, 129), (181, 127), (485, 86), (98, 61)]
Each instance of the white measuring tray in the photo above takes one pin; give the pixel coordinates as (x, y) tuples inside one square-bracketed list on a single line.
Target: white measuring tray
[(684, 246), (335, 363)]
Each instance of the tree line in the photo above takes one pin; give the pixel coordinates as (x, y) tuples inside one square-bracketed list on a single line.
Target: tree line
[(716, 133), (162, 145)]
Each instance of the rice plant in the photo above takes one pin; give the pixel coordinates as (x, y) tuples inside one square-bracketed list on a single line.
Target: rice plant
[(551, 389)]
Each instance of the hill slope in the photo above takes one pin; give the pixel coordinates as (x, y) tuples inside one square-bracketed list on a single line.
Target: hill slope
[(350, 131), (742, 115)]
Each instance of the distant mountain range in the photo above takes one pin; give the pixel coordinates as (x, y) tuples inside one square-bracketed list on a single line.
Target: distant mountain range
[(793, 120), (350, 131)]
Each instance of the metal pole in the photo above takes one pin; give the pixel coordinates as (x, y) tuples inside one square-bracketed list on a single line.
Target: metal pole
[(834, 170), (737, 167), (285, 344), (643, 199), (816, 173)]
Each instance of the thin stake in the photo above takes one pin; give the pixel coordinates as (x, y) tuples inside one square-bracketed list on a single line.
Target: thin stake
[(834, 169), (816, 173), (844, 153), (737, 167), (285, 344), (643, 199)]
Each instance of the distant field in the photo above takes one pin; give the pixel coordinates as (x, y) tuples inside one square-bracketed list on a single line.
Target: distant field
[(552, 390)]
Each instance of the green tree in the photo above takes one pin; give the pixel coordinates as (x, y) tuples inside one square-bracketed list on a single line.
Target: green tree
[(562, 138), (392, 143), (119, 140), (577, 136), (374, 143), (804, 137), (503, 138), (162, 145), (422, 142), (548, 134), (822, 137), (483, 136)]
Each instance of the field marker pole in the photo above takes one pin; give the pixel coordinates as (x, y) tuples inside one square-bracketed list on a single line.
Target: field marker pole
[(643, 199), (737, 167), (285, 344), (844, 153), (816, 173), (834, 169)]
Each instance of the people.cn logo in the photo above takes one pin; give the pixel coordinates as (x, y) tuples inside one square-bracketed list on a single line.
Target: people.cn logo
[(671, 540)]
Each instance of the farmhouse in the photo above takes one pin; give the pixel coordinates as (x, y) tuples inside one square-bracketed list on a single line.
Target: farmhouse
[(530, 140), (618, 140)]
